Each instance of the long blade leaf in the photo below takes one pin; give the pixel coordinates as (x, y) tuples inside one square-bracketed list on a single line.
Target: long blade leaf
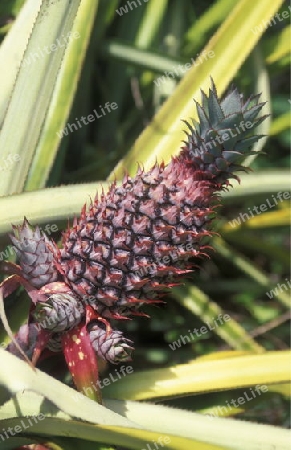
[(33, 89)]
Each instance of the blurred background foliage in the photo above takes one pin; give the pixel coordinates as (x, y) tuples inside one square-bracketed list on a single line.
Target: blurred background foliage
[(126, 55)]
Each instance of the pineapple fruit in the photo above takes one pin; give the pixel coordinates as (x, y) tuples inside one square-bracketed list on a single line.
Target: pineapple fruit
[(135, 241)]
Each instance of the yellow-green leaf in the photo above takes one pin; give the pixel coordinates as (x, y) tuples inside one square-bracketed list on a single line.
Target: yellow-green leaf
[(12, 50), (204, 376), (33, 89), (281, 123), (46, 205), (63, 96), (281, 45)]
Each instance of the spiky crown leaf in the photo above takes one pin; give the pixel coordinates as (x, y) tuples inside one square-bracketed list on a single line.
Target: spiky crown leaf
[(223, 135)]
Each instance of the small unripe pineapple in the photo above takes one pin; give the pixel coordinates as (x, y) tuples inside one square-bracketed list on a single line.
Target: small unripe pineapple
[(35, 255), (110, 345)]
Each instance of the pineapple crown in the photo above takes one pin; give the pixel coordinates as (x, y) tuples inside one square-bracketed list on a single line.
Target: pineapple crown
[(134, 242), (223, 135)]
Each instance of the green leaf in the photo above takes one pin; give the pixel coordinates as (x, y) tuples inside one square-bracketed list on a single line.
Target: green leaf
[(263, 183), (62, 97), (46, 205), (184, 430), (214, 373), (213, 16), (198, 303), (97, 424), (33, 89), (25, 378), (281, 123), (281, 45), (267, 219), (244, 265), (262, 86), (230, 433), (16, 39), (150, 22), (10, 6)]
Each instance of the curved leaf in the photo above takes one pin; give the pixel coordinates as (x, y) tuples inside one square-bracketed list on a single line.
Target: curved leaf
[(62, 97), (204, 376), (32, 91), (230, 433), (16, 39)]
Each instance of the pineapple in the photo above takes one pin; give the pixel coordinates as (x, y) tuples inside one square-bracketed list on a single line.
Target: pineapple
[(111, 346), (36, 259), (134, 242)]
